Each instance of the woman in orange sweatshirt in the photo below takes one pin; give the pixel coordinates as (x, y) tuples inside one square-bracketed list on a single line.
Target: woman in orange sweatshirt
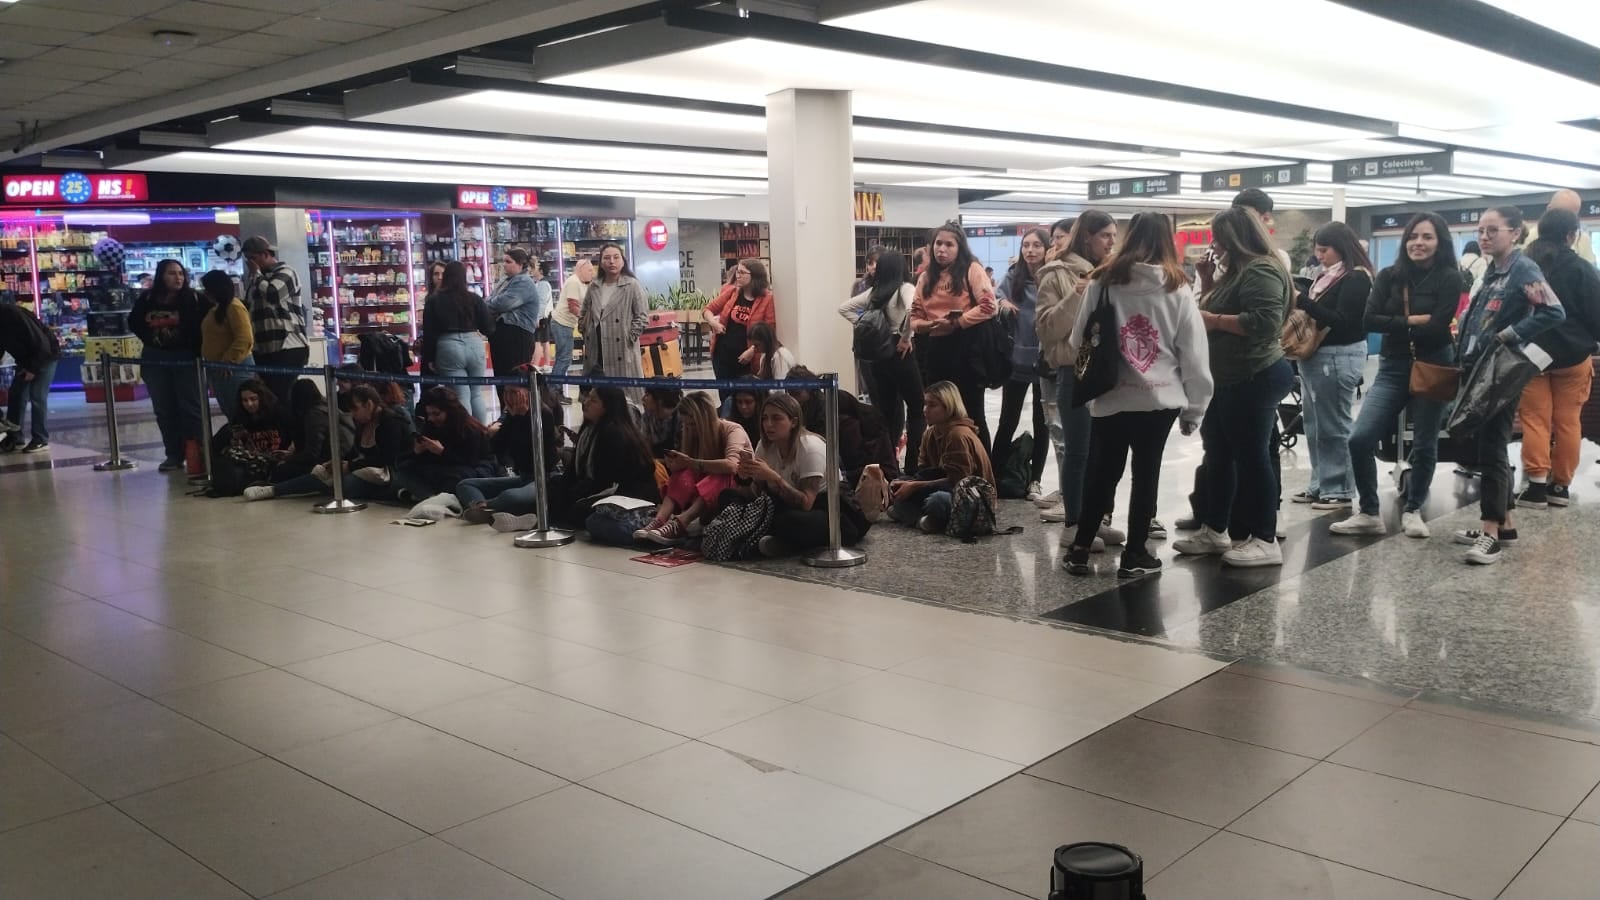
[(744, 302), (953, 295)]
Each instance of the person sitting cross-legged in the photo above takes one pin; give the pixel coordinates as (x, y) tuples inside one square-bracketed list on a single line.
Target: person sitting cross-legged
[(951, 450), (701, 469)]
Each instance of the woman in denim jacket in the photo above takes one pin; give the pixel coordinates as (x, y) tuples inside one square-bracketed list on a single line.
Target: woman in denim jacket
[(515, 303), (1514, 305)]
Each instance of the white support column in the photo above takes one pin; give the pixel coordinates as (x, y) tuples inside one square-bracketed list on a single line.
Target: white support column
[(810, 188), (1340, 210)]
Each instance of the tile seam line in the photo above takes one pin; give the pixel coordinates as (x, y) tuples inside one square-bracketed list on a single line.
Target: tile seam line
[(885, 845)]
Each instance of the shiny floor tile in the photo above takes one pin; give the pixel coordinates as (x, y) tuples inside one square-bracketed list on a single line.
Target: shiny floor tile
[(504, 650), (155, 662), (426, 870), (1441, 840), (1185, 773), (37, 686), (397, 678), (32, 790), (375, 612), (225, 819), (1589, 810), (1007, 835), (100, 852), (884, 873), (1067, 689), (540, 841), (782, 815), (272, 710), (1567, 866), (666, 698), (1544, 773), (746, 663), (1270, 714), (420, 775), (1230, 867), (898, 768)]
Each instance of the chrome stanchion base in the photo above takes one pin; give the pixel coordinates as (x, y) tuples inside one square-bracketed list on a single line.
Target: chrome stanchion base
[(338, 506), (842, 558), (121, 465), (544, 537), (199, 488)]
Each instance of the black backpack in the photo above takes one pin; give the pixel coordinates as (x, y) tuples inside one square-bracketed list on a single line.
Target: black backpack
[(384, 352), (988, 348), (1017, 472)]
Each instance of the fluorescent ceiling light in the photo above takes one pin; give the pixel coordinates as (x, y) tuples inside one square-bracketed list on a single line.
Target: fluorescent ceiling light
[(489, 101), (1350, 149), (105, 218), (1553, 174)]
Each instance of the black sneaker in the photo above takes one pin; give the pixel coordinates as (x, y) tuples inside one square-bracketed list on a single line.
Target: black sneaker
[(1137, 564), (1158, 531), (1470, 536), (1536, 496), (170, 465), (1077, 562), (1559, 495), (1485, 551), (36, 447)]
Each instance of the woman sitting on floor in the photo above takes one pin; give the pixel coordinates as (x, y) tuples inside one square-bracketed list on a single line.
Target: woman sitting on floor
[(307, 431), (245, 451), (702, 468), (451, 445), (611, 460), (863, 437), (789, 465), (745, 410), (382, 439), (512, 439), (951, 450)]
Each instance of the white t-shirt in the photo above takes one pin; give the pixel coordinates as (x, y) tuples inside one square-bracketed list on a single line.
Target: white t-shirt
[(810, 459), (574, 289)]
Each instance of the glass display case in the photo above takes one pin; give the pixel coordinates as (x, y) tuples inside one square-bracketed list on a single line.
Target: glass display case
[(364, 277), (584, 238), (537, 236)]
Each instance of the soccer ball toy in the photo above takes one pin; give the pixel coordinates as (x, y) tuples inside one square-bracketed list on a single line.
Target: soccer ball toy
[(110, 253)]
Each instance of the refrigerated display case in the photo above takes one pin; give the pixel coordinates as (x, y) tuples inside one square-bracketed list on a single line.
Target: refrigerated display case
[(537, 236)]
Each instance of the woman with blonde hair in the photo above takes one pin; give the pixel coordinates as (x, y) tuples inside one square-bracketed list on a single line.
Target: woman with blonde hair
[(951, 450), (1243, 316), (700, 469)]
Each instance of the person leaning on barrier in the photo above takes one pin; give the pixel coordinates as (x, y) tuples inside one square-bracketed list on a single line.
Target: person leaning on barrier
[(790, 465), (382, 439)]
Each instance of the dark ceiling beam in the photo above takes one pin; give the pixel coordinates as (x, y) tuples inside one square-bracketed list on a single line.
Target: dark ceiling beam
[(882, 46), (1490, 28)]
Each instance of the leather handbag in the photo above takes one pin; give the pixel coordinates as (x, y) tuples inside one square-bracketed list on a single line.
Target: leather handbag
[(1301, 336), (1430, 381), (1096, 370)]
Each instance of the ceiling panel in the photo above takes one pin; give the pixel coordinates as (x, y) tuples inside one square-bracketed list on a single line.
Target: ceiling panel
[(130, 42), (124, 8), (286, 7), (216, 16), (389, 13), (47, 37), (28, 16), (235, 56), (320, 29)]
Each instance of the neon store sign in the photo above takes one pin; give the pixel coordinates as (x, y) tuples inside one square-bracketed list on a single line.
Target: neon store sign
[(76, 188), (497, 199)]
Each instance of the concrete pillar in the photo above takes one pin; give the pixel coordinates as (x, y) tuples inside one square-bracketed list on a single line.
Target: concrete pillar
[(810, 188)]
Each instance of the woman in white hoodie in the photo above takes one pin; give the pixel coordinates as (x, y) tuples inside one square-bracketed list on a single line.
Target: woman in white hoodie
[(1163, 375)]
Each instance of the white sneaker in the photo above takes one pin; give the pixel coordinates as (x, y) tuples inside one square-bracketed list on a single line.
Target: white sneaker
[(1035, 491), (1111, 535), (1360, 523), (1049, 501), (1067, 534), (259, 492), (1254, 553), (1413, 525), (1053, 514), (506, 523), (1204, 542)]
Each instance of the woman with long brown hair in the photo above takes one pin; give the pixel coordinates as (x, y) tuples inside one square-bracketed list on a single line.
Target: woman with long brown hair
[(742, 303), (455, 323), (953, 295), (701, 468), (1020, 290), (167, 319), (1163, 376)]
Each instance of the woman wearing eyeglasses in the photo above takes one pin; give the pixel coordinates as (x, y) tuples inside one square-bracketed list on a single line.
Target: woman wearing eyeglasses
[(745, 302), (1513, 306)]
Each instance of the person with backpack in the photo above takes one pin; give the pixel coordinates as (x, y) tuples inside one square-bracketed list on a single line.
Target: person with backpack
[(880, 316), (1552, 404), (953, 298), (951, 452), (1021, 291), (37, 352), (1163, 373)]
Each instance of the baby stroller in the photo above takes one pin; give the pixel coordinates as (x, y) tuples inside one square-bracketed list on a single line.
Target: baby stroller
[(1291, 419)]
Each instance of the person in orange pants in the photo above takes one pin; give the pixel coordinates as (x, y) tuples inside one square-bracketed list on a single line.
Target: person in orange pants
[(1552, 403)]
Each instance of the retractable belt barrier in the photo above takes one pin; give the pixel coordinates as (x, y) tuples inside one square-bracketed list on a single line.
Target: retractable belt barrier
[(832, 556)]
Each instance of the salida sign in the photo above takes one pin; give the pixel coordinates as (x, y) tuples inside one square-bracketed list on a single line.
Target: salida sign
[(497, 199), (76, 188)]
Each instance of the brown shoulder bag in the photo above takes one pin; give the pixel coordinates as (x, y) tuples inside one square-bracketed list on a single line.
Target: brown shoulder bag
[(1431, 381)]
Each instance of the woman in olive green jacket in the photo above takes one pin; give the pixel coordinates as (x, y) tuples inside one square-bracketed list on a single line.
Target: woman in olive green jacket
[(1244, 317)]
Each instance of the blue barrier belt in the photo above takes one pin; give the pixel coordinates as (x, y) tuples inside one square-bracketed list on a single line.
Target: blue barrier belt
[(725, 384)]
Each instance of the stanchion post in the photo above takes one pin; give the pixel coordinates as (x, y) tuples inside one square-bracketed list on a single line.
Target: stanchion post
[(833, 556), (338, 504), (116, 463), (544, 535), (202, 483)]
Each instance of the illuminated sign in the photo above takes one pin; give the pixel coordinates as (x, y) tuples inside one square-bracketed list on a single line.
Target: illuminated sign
[(869, 206), (1405, 165), (655, 235), (76, 188), (1135, 187), (497, 199), (1262, 177)]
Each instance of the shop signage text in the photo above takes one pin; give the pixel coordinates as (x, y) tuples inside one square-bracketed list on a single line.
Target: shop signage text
[(1135, 187), (76, 187), (497, 199), (869, 206), (1405, 165), (1261, 177), (655, 235)]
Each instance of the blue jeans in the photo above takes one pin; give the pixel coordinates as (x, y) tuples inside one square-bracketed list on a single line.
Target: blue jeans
[(1240, 487), (461, 355), (1380, 417), (1073, 453), (935, 505), (175, 397), (225, 385), (34, 395), (562, 337), (509, 494), (1328, 382), (1049, 395)]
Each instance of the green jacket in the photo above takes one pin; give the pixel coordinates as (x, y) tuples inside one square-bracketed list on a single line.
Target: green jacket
[(1261, 296)]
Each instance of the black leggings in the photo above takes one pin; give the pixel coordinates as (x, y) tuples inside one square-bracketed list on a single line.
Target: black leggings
[(1011, 400), (896, 388), (1111, 438), (511, 347), (726, 367), (947, 361)]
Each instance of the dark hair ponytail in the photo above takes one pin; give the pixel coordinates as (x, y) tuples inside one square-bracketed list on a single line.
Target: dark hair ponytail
[(218, 287)]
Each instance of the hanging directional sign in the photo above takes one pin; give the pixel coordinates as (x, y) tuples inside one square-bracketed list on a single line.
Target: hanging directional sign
[(1402, 165), (1260, 177), (1135, 187)]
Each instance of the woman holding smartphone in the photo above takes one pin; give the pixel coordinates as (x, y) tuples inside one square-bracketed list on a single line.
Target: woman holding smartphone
[(951, 296)]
